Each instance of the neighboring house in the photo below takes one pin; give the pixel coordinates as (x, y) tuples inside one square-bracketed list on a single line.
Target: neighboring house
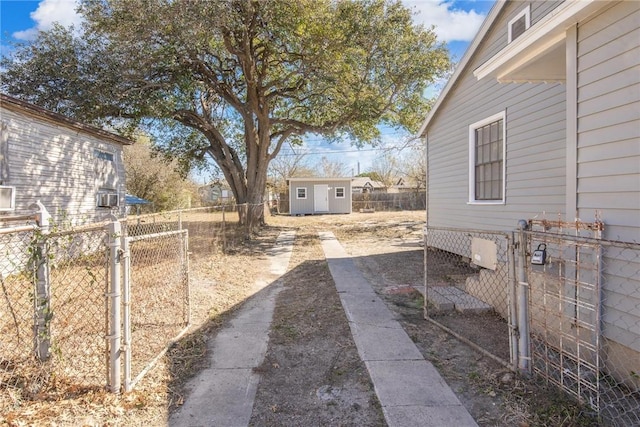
[(367, 185), (75, 170), (404, 185), (215, 193), (542, 116), (319, 195)]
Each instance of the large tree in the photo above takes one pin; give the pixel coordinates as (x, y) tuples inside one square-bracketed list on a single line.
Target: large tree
[(235, 79)]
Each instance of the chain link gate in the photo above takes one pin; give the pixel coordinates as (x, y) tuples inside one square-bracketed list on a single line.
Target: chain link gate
[(469, 288), (155, 299), (577, 319)]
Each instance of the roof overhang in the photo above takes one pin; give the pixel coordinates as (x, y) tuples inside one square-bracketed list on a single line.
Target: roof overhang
[(323, 179), (538, 55), (462, 65), (18, 105)]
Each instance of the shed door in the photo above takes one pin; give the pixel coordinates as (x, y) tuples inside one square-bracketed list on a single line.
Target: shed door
[(321, 198)]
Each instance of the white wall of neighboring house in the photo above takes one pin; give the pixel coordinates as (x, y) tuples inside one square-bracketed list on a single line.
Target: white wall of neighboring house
[(70, 167)]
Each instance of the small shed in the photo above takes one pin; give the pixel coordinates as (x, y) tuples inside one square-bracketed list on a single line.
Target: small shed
[(309, 196)]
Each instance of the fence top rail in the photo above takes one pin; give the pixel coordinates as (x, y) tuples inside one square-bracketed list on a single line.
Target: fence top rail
[(506, 235), (583, 240), (19, 229), (156, 235), (166, 214), (14, 218)]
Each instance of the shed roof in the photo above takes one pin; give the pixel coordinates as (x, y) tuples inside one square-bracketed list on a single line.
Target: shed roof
[(310, 178), (18, 105)]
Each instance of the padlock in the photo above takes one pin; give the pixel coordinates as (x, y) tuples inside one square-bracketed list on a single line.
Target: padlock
[(539, 256)]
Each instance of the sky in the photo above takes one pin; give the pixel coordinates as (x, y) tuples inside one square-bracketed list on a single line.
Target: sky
[(456, 23)]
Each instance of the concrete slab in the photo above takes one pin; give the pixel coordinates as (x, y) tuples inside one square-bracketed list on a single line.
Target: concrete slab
[(428, 416), (410, 389), (280, 254), (240, 347), (376, 342), (218, 397), (410, 382), (450, 297), (367, 309), (223, 394), (348, 277), (442, 302)]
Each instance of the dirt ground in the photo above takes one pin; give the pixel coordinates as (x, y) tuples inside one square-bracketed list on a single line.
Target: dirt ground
[(312, 375)]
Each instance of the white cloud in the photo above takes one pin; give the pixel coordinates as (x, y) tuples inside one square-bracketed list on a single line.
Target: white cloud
[(48, 12), (452, 24)]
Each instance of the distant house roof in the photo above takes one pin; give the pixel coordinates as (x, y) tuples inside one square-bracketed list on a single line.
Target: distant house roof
[(366, 182), (18, 105), (135, 200)]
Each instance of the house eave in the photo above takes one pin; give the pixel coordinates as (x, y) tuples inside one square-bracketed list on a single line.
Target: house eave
[(462, 65), (18, 105), (519, 61)]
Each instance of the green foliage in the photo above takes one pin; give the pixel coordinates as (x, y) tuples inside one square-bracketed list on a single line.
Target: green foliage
[(375, 176), (235, 79)]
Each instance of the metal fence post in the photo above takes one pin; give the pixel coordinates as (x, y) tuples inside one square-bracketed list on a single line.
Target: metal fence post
[(513, 306), (425, 310), (523, 302), (126, 308), (115, 232), (42, 300)]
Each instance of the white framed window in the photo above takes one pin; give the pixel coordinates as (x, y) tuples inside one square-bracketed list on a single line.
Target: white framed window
[(487, 147), (103, 155), (7, 198), (519, 24), (301, 193), (339, 192)]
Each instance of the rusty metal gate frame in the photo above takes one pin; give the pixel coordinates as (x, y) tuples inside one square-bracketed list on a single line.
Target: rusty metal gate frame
[(565, 313)]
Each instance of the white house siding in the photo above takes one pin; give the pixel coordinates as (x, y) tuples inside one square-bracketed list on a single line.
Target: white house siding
[(535, 148), (306, 206), (609, 153), (57, 165)]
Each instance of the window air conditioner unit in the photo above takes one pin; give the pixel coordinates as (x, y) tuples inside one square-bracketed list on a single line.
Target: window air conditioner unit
[(7, 198), (107, 200)]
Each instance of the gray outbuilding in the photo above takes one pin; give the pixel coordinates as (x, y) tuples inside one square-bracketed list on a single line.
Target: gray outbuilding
[(308, 196)]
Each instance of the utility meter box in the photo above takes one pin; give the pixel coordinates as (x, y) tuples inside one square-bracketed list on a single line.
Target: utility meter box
[(484, 253)]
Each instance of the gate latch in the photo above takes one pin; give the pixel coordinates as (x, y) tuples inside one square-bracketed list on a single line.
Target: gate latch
[(539, 256)]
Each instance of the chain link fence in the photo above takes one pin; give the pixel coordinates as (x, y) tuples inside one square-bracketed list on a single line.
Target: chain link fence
[(467, 285), (52, 312), (63, 292), (209, 227), (562, 304), (585, 321)]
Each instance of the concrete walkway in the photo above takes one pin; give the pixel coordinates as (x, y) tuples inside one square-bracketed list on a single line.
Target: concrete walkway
[(223, 394), (410, 389)]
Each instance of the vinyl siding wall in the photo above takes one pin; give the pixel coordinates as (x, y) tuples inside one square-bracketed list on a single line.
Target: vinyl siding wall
[(535, 142), (306, 206), (58, 166), (609, 120), (609, 155)]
